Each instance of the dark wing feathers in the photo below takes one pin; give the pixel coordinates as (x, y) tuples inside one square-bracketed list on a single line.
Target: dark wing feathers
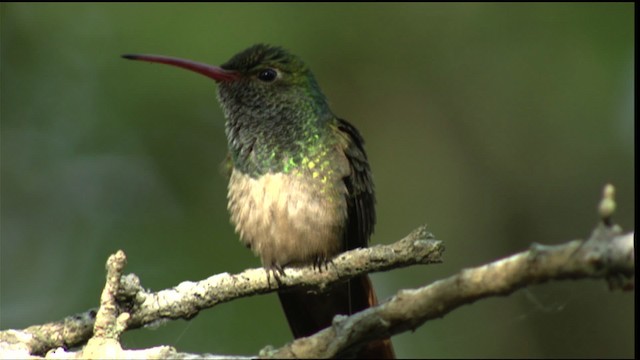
[(361, 198)]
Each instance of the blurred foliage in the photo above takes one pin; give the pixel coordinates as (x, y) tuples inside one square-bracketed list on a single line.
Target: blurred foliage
[(498, 124)]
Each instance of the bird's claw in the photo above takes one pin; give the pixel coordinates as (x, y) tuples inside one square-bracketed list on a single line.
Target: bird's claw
[(276, 270)]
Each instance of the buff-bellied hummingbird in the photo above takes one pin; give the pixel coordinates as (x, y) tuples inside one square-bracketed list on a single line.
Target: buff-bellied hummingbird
[(300, 189)]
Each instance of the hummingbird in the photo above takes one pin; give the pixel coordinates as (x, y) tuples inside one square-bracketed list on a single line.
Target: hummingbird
[(300, 187)]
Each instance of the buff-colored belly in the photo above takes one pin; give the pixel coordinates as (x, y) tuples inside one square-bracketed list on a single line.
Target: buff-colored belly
[(287, 219)]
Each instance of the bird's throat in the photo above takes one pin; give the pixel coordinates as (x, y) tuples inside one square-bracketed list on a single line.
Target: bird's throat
[(264, 146)]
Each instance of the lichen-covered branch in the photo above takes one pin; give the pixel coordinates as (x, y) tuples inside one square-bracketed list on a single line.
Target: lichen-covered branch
[(188, 298), (607, 254), (110, 323)]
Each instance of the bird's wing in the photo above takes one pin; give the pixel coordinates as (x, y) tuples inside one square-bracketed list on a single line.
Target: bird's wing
[(361, 197)]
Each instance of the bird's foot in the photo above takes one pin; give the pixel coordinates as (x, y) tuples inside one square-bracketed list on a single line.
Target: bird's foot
[(276, 270), (319, 261)]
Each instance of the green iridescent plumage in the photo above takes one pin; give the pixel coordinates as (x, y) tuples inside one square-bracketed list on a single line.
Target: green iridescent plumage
[(279, 122)]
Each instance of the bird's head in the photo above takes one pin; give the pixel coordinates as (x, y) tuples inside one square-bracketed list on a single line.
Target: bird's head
[(262, 81)]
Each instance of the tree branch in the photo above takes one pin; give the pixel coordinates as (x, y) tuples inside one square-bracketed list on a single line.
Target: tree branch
[(188, 298), (607, 254)]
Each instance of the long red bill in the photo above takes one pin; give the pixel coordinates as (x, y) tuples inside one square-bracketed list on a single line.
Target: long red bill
[(215, 72)]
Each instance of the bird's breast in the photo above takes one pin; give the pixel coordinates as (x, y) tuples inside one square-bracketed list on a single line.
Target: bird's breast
[(288, 218)]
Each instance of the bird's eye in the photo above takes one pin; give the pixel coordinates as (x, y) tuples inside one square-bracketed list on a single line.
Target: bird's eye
[(268, 75)]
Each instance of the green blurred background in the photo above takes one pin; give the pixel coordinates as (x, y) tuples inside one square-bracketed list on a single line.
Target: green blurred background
[(496, 124)]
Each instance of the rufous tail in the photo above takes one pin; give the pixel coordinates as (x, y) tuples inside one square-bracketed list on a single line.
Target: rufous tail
[(308, 313)]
